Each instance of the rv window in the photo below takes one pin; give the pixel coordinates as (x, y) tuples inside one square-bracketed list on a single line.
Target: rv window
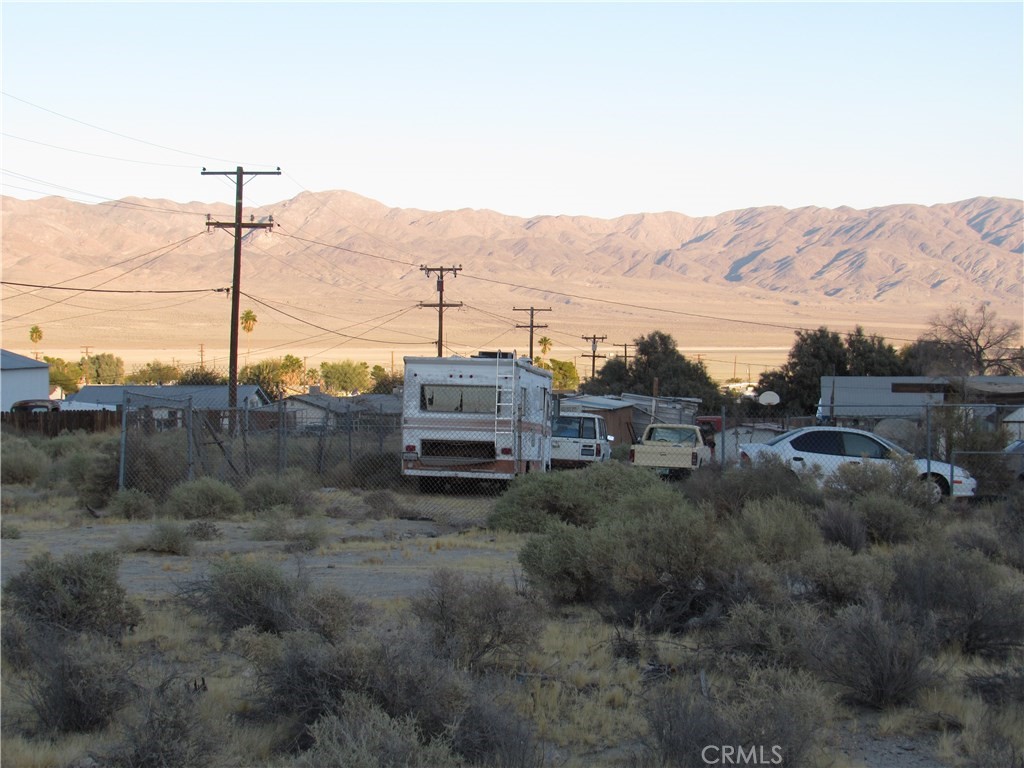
[(457, 398)]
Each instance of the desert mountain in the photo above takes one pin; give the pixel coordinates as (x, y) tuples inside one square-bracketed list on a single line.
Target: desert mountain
[(335, 260)]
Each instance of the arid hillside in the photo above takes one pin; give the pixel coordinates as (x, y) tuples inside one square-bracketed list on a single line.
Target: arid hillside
[(339, 276)]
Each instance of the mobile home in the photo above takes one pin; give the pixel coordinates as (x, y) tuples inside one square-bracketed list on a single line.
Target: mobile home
[(486, 417)]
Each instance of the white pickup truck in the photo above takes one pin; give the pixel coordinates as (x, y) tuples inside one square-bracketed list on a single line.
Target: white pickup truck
[(672, 450)]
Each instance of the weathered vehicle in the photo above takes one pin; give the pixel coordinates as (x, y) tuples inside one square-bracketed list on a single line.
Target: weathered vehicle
[(579, 439), (672, 450), (486, 417)]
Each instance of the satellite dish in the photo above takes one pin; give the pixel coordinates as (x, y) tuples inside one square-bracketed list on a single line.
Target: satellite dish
[(768, 398)]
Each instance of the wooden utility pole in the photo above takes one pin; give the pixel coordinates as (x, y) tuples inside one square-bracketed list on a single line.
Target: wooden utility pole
[(441, 306), (531, 326), (236, 275), (625, 352), (593, 352)]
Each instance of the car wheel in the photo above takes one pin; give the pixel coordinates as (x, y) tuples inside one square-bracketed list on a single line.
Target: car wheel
[(938, 485)]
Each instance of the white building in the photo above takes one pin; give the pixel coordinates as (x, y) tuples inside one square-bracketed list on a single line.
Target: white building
[(22, 378)]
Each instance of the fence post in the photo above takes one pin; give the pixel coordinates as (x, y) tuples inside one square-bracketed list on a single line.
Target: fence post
[(349, 429), (188, 439), (281, 453), (125, 400), (928, 437)]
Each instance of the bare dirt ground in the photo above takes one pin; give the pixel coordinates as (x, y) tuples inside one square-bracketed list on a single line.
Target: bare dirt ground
[(381, 560)]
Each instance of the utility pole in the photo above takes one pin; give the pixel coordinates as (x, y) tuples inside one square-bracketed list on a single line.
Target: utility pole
[(236, 275), (441, 306), (593, 353), (531, 326), (625, 351), (202, 355)]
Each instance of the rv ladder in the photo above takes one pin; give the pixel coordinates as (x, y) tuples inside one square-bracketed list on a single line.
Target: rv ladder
[(505, 396)]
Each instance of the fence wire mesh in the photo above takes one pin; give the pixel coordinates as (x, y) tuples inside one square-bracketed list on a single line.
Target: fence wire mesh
[(365, 443)]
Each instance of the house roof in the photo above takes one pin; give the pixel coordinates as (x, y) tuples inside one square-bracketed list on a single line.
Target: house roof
[(379, 403), (204, 397), (597, 402), (12, 361)]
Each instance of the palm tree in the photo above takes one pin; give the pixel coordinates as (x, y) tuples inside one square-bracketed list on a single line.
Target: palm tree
[(545, 344), (35, 335), (248, 322)]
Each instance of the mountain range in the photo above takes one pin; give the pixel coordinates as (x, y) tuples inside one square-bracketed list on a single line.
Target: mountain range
[(342, 276)]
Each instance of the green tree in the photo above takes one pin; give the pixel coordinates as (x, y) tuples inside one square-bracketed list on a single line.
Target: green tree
[(384, 383), (64, 374), (154, 373), (798, 384), (658, 365), (345, 377), (201, 377), (566, 377), (293, 371), (872, 356), (545, 345), (35, 335), (248, 322), (104, 368), (268, 375)]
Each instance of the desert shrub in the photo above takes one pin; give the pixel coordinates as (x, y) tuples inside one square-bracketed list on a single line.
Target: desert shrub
[(77, 593), (239, 592), (681, 723), (132, 504), (668, 568), (878, 660), (204, 498), (974, 604), (840, 523), (290, 489), (383, 504), (489, 732), (329, 611), (578, 498), (767, 635), (978, 536), (406, 679), (303, 679), (362, 735), (897, 479), (728, 491), (203, 530), (169, 731), (9, 530), (772, 716), (836, 576), (23, 463), (997, 688), (15, 642), (309, 536), (561, 564), (78, 683), (166, 538), (100, 479), (888, 519), (377, 470), (478, 619), (155, 463), (773, 530)]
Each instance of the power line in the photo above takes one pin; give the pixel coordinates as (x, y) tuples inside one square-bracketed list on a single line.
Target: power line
[(111, 290)]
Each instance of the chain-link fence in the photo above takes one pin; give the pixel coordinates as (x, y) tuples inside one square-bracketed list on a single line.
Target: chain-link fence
[(455, 435), (165, 441)]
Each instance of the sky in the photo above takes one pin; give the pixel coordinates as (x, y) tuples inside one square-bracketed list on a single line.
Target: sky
[(527, 109)]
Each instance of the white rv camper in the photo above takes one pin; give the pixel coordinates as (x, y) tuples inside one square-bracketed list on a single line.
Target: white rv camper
[(486, 417)]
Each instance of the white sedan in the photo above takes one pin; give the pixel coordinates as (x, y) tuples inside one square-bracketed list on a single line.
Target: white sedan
[(829, 447)]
